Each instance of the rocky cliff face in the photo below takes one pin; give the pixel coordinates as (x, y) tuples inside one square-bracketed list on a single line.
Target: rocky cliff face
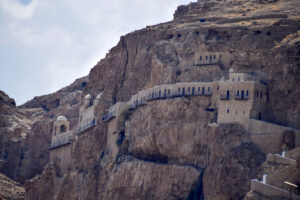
[(10, 189), (172, 149), (26, 131)]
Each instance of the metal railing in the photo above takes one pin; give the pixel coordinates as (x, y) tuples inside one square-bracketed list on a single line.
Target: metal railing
[(86, 126), (239, 97)]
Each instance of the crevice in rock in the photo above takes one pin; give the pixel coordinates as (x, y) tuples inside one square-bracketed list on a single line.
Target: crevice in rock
[(197, 190)]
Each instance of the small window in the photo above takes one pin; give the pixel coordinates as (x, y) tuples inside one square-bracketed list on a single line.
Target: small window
[(218, 87), (261, 95), (239, 79), (210, 57), (220, 56), (189, 89), (63, 128), (214, 56), (208, 89), (227, 110), (206, 57), (243, 112), (256, 93), (200, 57), (247, 93), (169, 91), (235, 111), (238, 93), (198, 89), (232, 79), (178, 89)]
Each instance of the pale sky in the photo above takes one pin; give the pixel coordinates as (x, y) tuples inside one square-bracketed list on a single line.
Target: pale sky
[(46, 44)]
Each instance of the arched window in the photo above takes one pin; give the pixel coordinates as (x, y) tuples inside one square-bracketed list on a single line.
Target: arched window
[(63, 128)]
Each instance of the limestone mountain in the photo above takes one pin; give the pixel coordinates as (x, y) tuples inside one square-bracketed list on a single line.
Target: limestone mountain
[(169, 147)]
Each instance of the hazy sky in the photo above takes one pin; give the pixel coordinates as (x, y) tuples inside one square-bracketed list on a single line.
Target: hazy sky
[(46, 44)]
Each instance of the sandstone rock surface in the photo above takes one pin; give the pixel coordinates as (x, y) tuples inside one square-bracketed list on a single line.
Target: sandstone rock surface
[(169, 143)]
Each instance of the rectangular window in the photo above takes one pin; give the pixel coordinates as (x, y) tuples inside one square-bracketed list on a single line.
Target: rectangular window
[(220, 56), (198, 89), (189, 89), (200, 57), (227, 110), (206, 57), (208, 89), (178, 89), (247, 93), (238, 93), (169, 91), (214, 56), (218, 87), (261, 95)]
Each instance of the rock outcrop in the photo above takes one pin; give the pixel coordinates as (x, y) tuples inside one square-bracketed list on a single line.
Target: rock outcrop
[(10, 190), (172, 148), (26, 131)]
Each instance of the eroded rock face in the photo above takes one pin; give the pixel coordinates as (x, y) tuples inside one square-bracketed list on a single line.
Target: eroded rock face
[(26, 131), (134, 179), (165, 136), (234, 160), (10, 189), (171, 131)]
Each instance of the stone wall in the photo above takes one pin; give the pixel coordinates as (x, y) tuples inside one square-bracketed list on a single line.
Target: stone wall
[(62, 157), (210, 58), (270, 191), (62, 139), (86, 116), (268, 136)]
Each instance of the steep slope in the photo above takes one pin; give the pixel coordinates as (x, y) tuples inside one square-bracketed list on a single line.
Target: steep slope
[(10, 189), (25, 131), (173, 143)]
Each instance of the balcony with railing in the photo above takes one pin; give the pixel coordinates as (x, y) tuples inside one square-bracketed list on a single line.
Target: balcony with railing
[(86, 126), (240, 97), (62, 139)]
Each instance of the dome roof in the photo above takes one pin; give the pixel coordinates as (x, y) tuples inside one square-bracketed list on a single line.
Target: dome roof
[(99, 95), (88, 96), (61, 118)]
